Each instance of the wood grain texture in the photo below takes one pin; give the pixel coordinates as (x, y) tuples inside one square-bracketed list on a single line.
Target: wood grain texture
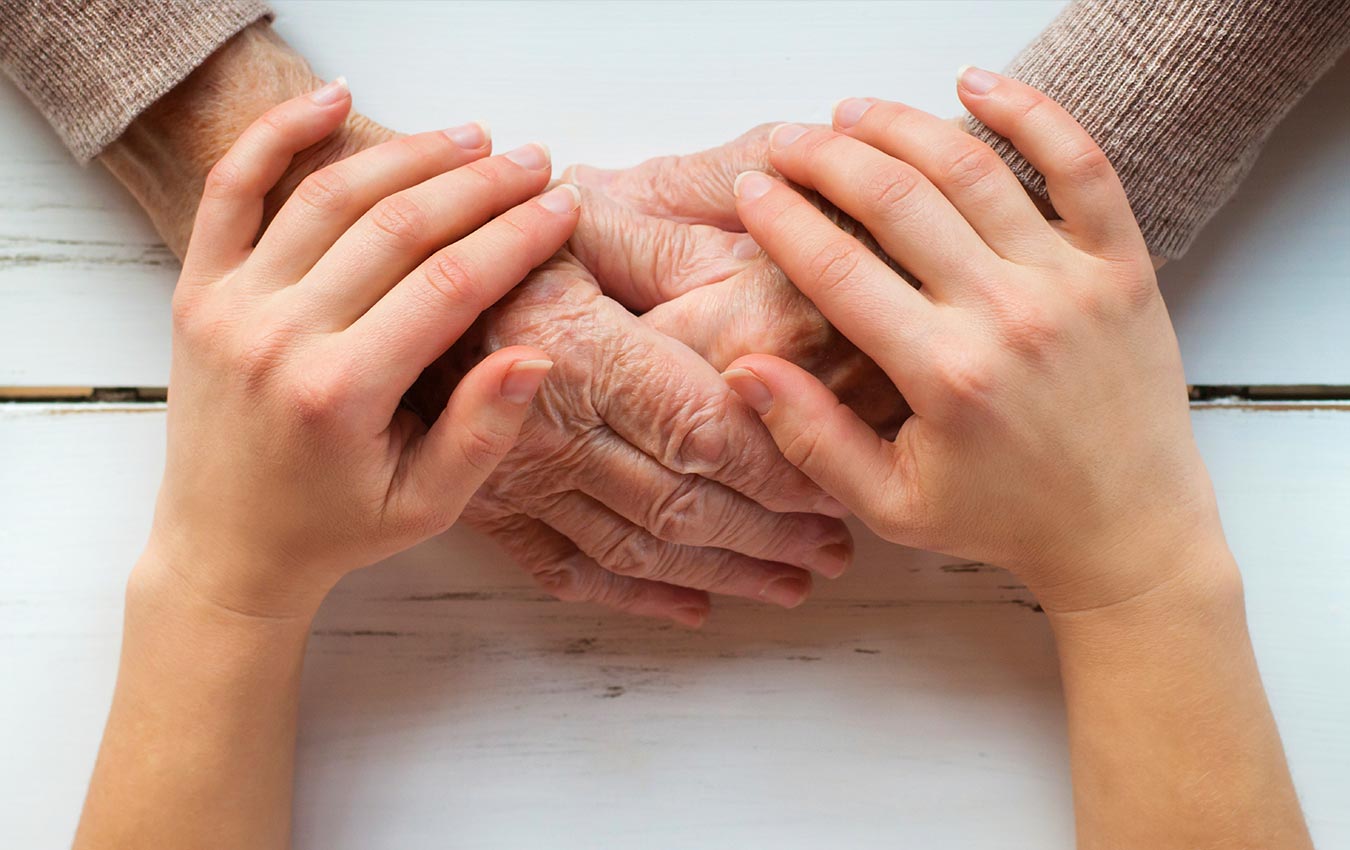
[(85, 286), (448, 703)]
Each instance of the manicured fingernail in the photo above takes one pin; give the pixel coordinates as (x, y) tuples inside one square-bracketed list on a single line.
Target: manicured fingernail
[(784, 135), (830, 560), (788, 591), (591, 178), (976, 80), (748, 386), (689, 615), (849, 111), (331, 93), (469, 136), (746, 248), (533, 156), (752, 184), (830, 506), (561, 199), (522, 380)]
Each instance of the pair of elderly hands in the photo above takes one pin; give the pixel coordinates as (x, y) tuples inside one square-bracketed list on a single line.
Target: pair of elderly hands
[(640, 481)]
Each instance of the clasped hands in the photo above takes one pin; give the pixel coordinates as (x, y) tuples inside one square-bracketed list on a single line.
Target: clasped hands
[(642, 478)]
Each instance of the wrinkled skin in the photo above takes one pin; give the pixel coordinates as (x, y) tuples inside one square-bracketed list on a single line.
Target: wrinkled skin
[(639, 480), (663, 237), (559, 516)]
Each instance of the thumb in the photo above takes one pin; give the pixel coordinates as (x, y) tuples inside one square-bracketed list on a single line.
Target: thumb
[(479, 425), (641, 261), (819, 435)]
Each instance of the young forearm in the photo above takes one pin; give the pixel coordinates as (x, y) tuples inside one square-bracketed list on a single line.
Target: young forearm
[(199, 747), (1172, 739)]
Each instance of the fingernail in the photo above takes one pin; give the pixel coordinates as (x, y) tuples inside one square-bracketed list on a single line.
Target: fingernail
[(752, 184), (830, 506), (533, 156), (561, 199), (331, 93), (976, 80), (749, 387), (591, 178), (689, 615), (849, 111), (746, 248), (469, 136), (788, 591), (522, 380), (831, 560), (784, 135)]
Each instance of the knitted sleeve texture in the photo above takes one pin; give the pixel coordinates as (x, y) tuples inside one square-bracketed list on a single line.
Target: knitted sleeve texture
[(1180, 94), (92, 66)]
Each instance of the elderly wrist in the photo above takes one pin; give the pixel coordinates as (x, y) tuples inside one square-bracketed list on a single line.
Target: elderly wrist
[(164, 155)]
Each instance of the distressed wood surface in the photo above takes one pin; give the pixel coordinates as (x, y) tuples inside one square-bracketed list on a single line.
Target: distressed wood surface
[(448, 703), (85, 285)]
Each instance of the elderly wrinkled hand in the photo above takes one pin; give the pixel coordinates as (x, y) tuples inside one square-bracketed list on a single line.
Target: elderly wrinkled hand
[(663, 237), (641, 484), (638, 480)]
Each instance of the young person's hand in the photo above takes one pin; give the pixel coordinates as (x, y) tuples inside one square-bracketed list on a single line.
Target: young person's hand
[(1051, 431), (290, 459)]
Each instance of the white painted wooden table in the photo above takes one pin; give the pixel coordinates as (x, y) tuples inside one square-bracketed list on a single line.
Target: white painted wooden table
[(447, 703)]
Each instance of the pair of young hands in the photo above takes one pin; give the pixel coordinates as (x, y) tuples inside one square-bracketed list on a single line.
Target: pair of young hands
[(1050, 431)]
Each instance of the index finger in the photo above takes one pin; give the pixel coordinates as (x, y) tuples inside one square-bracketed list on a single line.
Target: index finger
[(426, 312), (861, 296)]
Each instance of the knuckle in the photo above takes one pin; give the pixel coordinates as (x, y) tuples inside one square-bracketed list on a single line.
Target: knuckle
[(1032, 329), (697, 441), (969, 164), (185, 309), (889, 190), (805, 449), (483, 446), (1086, 163), (428, 149), (516, 223), (483, 172), (833, 264), (962, 378), (449, 280), (677, 516), (273, 121), (316, 394), (630, 552), (401, 220), (312, 401), (326, 191), (262, 356), (225, 179), (562, 580)]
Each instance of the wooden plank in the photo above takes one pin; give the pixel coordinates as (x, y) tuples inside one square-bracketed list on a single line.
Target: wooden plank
[(85, 288), (446, 702)]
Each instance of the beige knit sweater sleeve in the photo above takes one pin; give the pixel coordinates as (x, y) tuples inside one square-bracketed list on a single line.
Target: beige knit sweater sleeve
[(1180, 94), (91, 66)]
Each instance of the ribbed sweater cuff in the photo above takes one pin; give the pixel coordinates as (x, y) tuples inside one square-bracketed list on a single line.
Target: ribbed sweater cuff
[(92, 67), (1180, 94)]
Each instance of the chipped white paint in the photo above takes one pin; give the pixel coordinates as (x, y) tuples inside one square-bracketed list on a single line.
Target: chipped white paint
[(447, 703), (85, 288)]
